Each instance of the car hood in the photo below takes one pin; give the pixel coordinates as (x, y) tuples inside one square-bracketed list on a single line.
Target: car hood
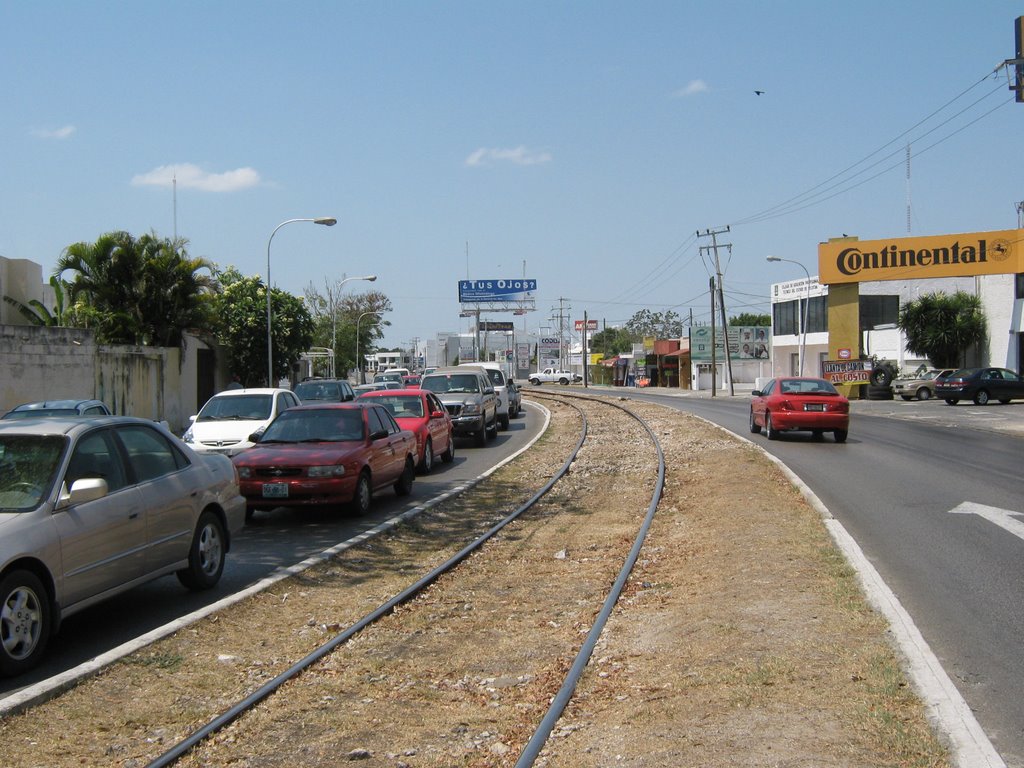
[(306, 454), (225, 430)]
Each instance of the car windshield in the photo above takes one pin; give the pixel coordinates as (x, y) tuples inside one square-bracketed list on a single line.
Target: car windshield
[(807, 387), (452, 382), (497, 377), (318, 390), (237, 408), (318, 425), (402, 406), (28, 466)]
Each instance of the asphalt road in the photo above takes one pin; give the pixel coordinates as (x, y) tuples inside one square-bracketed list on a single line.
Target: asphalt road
[(272, 540), (894, 486)]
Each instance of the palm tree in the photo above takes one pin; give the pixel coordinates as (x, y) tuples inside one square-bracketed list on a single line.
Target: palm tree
[(943, 327), (145, 291)]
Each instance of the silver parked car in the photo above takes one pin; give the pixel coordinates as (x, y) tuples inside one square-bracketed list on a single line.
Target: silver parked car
[(92, 506)]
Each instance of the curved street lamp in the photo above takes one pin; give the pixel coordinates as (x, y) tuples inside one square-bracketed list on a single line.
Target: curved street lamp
[(359, 319), (327, 221), (334, 313), (807, 302)]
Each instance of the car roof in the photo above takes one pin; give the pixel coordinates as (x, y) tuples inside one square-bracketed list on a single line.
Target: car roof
[(251, 391), (392, 392), (63, 425), (45, 404)]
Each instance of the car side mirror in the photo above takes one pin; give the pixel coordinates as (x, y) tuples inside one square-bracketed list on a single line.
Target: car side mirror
[(255, 437), (379, 434), (437, 414), (757, 393), (86, 489)]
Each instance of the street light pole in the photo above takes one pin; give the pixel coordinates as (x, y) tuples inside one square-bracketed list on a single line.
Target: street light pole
[(334, 313), (807, 302), (327, 221), (359, 367)]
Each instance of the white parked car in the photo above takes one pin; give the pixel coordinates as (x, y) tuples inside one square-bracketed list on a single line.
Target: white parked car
[(229, 418)]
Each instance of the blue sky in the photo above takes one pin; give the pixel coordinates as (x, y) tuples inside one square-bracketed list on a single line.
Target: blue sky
[(588, 141)]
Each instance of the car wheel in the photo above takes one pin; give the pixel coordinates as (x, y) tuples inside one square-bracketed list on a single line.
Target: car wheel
[(951, 401), (769, 431), (981, 397), (881, 376), (363, 494), (24, 622), (481, 434), (563, 381), (206, 555), (535, 382), (840, 435), (503, 422), (924, 394), (403, 487), (754, 426), (449, 455), (427, 463)]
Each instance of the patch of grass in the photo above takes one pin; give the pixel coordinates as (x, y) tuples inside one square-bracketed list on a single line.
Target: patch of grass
[(158, 660)]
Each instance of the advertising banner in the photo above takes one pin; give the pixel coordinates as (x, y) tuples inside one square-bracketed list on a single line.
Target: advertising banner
[(511, 290), (746, 342), (846, 371)]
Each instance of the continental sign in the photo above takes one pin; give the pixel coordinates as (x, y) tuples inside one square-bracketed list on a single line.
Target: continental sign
[(848, 260)]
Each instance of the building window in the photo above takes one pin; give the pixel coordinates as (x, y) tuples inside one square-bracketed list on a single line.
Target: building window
[(878, 310), (786, 316), (1018, 286)]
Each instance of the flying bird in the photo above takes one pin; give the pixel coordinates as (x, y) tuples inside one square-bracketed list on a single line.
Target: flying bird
[(758, 92)]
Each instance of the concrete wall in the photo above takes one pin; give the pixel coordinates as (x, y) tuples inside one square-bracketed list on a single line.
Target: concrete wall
[(42, 363), (22, 280)]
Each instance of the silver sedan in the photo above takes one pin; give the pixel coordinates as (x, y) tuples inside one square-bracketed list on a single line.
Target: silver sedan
[(90, 507)]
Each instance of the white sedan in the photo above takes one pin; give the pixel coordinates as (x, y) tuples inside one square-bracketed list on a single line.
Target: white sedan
[(92, 506)]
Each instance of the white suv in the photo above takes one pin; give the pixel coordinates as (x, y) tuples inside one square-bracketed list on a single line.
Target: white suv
[(496, 374), (226, 422)]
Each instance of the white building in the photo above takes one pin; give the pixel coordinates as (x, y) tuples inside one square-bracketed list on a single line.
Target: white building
[(1001, 296)]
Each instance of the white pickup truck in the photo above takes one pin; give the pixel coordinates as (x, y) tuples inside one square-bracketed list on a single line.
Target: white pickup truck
[(553, 375)]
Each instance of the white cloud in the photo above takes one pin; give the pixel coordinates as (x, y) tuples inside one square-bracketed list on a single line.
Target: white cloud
[(519, 156), (58, 133), (191, 176), (692, 88)]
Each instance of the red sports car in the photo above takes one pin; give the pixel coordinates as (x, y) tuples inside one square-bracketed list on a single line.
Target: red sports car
[(419, 411), (328, 454), (811, 405)]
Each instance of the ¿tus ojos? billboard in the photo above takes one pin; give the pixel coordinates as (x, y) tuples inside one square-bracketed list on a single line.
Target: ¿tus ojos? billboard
[(514, 289)]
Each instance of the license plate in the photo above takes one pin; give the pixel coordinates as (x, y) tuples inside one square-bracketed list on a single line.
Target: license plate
[(275, 490), (814, 406)]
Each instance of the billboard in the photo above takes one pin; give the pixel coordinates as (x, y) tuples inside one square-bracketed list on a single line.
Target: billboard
[(515, 289), (746, 342)]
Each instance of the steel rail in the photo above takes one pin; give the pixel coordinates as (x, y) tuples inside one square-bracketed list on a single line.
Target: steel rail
[(201, 734), (540, 736)]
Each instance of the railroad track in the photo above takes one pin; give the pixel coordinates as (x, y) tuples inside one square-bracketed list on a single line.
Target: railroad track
[(469, 635)]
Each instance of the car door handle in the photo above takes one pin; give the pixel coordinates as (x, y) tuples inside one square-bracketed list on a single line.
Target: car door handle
[(133, 514)]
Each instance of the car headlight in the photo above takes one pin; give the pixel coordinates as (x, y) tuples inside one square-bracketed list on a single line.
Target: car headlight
[(188, 436), (470, 408), (334, 470), (244, 473)]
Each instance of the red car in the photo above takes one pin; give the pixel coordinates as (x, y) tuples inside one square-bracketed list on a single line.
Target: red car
[(328, 454), (419, 411), (811, 405), (412, 381)]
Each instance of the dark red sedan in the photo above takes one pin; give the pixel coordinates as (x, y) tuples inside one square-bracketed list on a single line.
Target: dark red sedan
[(792, 403), (419, 411), (328, 454)]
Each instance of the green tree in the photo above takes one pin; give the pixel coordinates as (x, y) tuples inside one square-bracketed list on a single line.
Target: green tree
[(749, 318), (37, 313), (943, 327), (241, 310), (335, 317), (137, 291), (661, 325), (612, 341)]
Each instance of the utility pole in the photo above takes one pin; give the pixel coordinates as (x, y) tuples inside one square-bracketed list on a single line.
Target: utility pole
[(714, 362), (713, 233)]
